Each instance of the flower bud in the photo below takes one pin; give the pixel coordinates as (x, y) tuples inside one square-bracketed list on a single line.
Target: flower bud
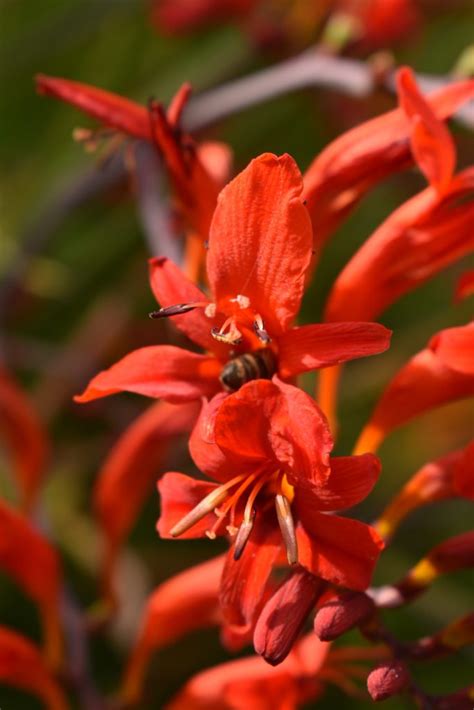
[(342, 614), (387, 679)]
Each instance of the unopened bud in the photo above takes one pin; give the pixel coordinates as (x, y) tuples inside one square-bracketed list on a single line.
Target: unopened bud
[(342, 614), (387, 679)]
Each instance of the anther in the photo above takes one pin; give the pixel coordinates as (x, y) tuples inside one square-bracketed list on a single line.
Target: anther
[(230, 338), (203, 508), (287, 527), (243, 535), (175, 310), (260, 330)]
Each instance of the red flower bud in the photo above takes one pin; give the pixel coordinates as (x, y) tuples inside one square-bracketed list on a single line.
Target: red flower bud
[(342, 614), (390, 678)]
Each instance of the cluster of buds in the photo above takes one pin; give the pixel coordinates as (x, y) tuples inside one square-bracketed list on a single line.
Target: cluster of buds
[(297, 574)]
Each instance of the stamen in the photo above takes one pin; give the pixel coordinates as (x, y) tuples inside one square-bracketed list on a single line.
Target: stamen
[(175, 310), (287, 527), (243, 536), (228, 333), (205, 506), (259, 328)]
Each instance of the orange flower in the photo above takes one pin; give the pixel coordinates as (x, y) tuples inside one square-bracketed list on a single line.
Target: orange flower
[(33, 564), (24, 438), (22, 666)]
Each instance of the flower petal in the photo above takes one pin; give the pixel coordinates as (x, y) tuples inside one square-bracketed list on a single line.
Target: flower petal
[(244, 580), (179, 495), (129, 472), (431, 142), (261, 239), (184, 603), (33, 564), (108, 108), (204, 451), (165, 371), (170, 287), (464, 473), (24, 437), (352, 164), (464, 286), (22, 666), (322, 345), (288, 428), (455, 348), (351, 480), (423, 236), (339, 550)]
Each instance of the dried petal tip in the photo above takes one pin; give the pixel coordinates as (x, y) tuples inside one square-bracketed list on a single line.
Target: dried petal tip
[(342, 614), (287, 527), (243, 535), (388, 679), (175, 310)]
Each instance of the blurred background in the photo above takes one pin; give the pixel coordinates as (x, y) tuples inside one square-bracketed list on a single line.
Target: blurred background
[(74, 297)]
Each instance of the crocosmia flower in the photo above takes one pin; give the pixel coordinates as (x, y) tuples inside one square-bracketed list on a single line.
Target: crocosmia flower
[(260, 248), (268, 449)]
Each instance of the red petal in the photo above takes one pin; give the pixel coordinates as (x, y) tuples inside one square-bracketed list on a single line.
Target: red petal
[(165, 371), (170, 286), (418, 240), (205, 453), (22, 666), (179, 495), (424, 383), (464, 473), (288, 430), (464, 286), (339, 550), (314, 346), (111, 109), (260, 240), (356, 161), (33, 564), (216, 157), (186, 602), (284, 615), (431, 142), (351, 480), (244, 580), (130, 470), (455, 348), (24, 437)]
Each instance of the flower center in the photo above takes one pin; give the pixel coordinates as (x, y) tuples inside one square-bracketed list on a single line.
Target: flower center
[(224, 501)]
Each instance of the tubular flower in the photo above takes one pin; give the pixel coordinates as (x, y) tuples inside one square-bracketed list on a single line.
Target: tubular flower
[(33, 564), (22, 666), (359, 159), (424, 235), (128, 473), (441, 373), (260, 248), (25, 440), (447, 477), (268, 447), (191, 168)]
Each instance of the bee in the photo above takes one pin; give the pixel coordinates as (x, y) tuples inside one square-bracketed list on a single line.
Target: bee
[(260, 364)]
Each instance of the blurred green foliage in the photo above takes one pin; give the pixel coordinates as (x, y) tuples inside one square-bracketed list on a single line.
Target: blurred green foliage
[(98, 252)]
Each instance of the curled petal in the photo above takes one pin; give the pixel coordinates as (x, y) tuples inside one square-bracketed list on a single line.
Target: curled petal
[(260, 240), (204, 451), (312, 347), (339, 550), (158, 371), (33, 564), (284, 615), (455, 348), (24, 437), (431, 142), (22, 666), (350, 482), (182, 604), (180, 495), (130, 470)]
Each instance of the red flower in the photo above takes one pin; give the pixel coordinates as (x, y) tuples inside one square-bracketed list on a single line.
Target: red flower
[(129, 471), (424, 235), (25, 439), (33, 564), (441, 373), (192, 169), (270, 454), (22, 666), (260, 248), (359, 159)]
